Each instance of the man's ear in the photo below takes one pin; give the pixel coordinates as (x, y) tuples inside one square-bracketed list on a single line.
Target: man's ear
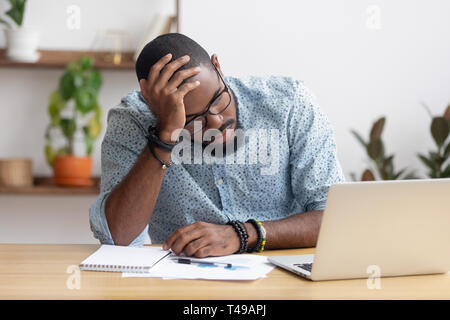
[(215, 62), (142, 84)]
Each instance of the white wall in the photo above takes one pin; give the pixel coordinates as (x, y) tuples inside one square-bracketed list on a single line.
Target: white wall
[(45, 219), (357, 73)]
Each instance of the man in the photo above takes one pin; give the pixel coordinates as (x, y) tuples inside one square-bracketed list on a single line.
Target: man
[(206, 208)]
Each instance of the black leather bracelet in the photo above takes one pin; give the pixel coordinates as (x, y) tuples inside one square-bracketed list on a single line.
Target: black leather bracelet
[(164, 165), (153, 137)]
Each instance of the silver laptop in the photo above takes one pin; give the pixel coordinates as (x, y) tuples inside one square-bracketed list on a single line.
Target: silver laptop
[(381, 228)]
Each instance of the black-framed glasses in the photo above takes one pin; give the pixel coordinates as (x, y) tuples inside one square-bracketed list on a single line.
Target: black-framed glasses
[(218, 104)]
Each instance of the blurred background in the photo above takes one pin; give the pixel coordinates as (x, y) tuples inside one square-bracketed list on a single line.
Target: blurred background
[(363, 60)]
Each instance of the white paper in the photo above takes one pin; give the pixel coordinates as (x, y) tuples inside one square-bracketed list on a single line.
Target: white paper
[(245, 267)]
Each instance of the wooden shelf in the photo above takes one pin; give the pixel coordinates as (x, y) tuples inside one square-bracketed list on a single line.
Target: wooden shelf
[(46, 186), (57, 59)]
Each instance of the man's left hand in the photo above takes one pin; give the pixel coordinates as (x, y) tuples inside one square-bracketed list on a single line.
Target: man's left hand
[(202, 239)]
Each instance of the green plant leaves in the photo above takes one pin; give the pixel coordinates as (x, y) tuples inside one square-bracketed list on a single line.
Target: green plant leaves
[(92, 130), (56, 99), (435, 160), (439, 130), (375, 148), (16, 11), (377, 128), (94, 80), (63, 151), (398, 174), (56, 104), (447, 113), (94, 127), (429, 163), (86, 62), (81, 84), (388, 167), (98, 113), (49, 154), (359, 138), (89, 140), (85, 100), (446, 172), (447, 151), (69, 83), (68, 127)]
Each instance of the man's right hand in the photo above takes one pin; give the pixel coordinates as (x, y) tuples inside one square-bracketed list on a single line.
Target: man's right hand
[(166, 97)]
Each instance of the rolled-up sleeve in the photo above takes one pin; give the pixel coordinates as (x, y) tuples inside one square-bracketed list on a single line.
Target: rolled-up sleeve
[(123, 143), (313, 152)]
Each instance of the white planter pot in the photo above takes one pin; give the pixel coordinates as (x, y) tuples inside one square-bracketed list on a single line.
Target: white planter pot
[(22, 44)]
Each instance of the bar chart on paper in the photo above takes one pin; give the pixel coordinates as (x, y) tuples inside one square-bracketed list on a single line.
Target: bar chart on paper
[(244, 267)]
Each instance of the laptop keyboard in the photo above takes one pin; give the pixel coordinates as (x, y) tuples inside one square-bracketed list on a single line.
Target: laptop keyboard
[(304, 266)]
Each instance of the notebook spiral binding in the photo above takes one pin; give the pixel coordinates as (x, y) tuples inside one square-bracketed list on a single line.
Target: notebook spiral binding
[(113, 268)]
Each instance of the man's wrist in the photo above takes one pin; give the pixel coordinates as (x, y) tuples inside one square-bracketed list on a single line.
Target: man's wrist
[(163, 154), (166, 137)]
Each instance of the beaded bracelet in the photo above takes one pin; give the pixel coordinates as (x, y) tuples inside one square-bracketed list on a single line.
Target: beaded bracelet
[(261, 231), (245, 236), (263, 236), (241, 230)]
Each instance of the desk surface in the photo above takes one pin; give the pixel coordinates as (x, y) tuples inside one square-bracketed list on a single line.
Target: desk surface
[(39, 272)]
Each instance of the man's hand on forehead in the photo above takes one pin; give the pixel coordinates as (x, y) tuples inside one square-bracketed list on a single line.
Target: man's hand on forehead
[(164, 92)]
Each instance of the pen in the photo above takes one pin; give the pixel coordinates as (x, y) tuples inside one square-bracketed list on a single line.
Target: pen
[(190, 261)]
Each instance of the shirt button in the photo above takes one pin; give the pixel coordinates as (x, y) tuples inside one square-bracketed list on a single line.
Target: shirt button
[(220, 181)]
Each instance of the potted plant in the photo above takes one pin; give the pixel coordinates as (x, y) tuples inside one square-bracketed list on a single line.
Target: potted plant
[(436, 162), (74, 111), (21, 43), (383, 165)]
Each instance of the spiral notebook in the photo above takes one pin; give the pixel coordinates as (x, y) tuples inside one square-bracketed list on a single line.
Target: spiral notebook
[(124, 259)]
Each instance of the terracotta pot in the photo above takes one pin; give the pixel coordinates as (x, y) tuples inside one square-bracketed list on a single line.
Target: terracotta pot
[(73, 171)]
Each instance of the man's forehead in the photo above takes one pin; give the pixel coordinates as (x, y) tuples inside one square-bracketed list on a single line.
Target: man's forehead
[(196, 100)]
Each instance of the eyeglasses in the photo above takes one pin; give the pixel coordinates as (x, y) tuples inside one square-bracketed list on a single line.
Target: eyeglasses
[(218, 104)]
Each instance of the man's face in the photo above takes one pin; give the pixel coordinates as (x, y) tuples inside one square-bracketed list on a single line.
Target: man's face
[(197, 101)]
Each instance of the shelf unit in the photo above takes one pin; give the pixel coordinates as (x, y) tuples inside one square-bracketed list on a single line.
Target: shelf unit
[(59, 58), (47, 186)]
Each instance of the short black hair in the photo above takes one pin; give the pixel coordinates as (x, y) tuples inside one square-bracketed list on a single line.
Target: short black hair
[(175, 43)]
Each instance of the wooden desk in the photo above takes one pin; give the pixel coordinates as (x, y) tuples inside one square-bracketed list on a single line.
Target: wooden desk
[(39, 272)]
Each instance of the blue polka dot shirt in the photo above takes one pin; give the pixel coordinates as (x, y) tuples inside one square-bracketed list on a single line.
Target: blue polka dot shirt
[(298, 181)]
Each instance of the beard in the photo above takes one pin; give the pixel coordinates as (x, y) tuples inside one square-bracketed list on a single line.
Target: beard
[(225, 150)]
